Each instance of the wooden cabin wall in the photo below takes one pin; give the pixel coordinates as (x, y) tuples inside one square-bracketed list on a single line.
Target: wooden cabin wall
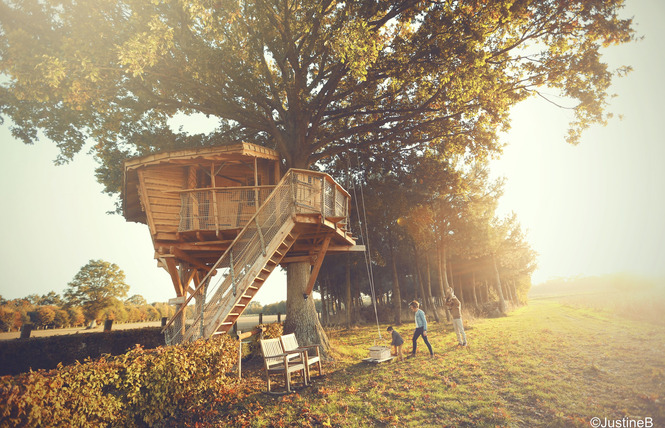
[(242, 174), (163, 204)]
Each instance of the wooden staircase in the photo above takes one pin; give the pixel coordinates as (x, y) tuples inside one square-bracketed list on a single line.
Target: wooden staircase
[(233, 281), (231, 309)]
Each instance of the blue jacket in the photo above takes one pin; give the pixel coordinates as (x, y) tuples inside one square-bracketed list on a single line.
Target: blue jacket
[(420, 319)]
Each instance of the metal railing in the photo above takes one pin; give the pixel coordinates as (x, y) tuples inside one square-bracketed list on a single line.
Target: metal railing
[(220, 208), (299, 191)]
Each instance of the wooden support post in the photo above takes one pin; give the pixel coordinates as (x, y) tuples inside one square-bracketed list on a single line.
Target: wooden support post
[(317, 265), (256, 185), (239, 354), (26, 330), (175, 278), (214, 199)]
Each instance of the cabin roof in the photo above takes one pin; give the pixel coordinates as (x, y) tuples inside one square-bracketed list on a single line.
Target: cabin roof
[(130, 193)]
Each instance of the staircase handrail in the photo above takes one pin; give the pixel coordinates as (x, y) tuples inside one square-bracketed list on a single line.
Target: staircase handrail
[(218, 262), (292, 203)]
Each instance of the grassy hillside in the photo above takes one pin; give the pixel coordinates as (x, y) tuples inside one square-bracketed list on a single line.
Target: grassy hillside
[(547, 364), (630, 296)]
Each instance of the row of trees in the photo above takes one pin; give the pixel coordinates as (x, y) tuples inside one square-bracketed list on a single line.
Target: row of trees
[(314, 80), (51, 311), (97, 292), (430, 225)]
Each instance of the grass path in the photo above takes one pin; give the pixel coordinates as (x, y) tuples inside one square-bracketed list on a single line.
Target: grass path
[(545, 364)]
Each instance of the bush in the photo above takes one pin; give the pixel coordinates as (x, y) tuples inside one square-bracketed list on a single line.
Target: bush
[(20, 355), (139, 388), (268, 331)]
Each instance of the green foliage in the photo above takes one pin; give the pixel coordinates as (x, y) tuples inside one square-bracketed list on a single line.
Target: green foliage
[(139, 388), (21, 356), (310, 78), (97, 286)]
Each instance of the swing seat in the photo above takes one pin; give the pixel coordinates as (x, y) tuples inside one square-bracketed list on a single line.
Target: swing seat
[(379, 352)]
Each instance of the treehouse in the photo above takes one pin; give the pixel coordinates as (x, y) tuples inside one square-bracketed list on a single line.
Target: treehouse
[(223, 218)]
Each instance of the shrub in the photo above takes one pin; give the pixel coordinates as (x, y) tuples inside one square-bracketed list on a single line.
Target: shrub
[(139, 388), (21, 355), (268, 331)]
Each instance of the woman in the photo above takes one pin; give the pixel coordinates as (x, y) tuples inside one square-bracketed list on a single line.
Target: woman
[(421, 328)]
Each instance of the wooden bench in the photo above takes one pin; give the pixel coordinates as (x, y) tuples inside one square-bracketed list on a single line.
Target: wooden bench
[(284, 363), (310, 353)]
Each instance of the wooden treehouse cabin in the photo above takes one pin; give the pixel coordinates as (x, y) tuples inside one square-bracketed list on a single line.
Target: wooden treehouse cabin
[(223, 218)]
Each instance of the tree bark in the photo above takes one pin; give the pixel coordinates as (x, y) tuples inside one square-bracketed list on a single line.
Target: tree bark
[(430, 296), (419, 278), (473, 285), (325, 319), (397, 293), (301, 317), (347, 302), (499, 291), (443, 277)]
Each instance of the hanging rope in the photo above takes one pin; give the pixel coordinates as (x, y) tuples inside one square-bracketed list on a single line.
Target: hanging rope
[(364, 234)]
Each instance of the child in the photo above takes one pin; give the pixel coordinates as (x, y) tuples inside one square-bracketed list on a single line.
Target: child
[(396, 343), (455, 308), (421, 328)]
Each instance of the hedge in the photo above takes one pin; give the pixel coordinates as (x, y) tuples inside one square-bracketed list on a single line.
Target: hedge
[(21, 355), (166, 385)]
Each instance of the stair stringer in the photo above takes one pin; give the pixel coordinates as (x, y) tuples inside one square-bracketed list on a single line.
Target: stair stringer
[(233, 306)]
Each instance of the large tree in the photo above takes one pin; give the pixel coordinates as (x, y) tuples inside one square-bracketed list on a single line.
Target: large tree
[(97, 285), (309, 78)]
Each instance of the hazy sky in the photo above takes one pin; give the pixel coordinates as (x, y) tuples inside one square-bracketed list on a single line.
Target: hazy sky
[(594, 208)]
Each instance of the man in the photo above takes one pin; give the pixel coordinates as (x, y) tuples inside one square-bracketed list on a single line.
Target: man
[(455, 308), (421, 328)]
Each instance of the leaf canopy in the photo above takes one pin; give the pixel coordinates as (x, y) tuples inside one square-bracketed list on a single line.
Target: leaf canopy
[(308, 78)]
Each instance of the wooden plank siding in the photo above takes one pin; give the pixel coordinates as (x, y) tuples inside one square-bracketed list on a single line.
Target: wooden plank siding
[(163, 205)]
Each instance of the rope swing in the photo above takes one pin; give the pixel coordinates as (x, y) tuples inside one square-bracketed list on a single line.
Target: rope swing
[(364, 235)]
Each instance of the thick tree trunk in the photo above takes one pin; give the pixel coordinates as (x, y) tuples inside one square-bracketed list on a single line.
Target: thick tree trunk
[(301, 317)]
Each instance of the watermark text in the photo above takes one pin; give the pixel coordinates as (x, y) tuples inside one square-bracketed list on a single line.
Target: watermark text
[(625, 422)]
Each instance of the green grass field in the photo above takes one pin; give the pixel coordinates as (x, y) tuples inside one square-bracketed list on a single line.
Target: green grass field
[(546, 364)]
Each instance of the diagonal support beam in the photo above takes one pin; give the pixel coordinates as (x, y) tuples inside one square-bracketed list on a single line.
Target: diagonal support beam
[(317, 265), (175, 278)]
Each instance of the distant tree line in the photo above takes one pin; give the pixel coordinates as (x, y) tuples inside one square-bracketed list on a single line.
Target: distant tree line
[(97, 292), (429, 222), (255, 308), (52, 311)]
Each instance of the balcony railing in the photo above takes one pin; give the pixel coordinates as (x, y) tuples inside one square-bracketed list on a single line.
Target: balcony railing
[(299, 192), (220, 208), (232, 207)]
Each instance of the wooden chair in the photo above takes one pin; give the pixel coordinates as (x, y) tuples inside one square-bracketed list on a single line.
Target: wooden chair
[(279, 362), (311, 352)]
